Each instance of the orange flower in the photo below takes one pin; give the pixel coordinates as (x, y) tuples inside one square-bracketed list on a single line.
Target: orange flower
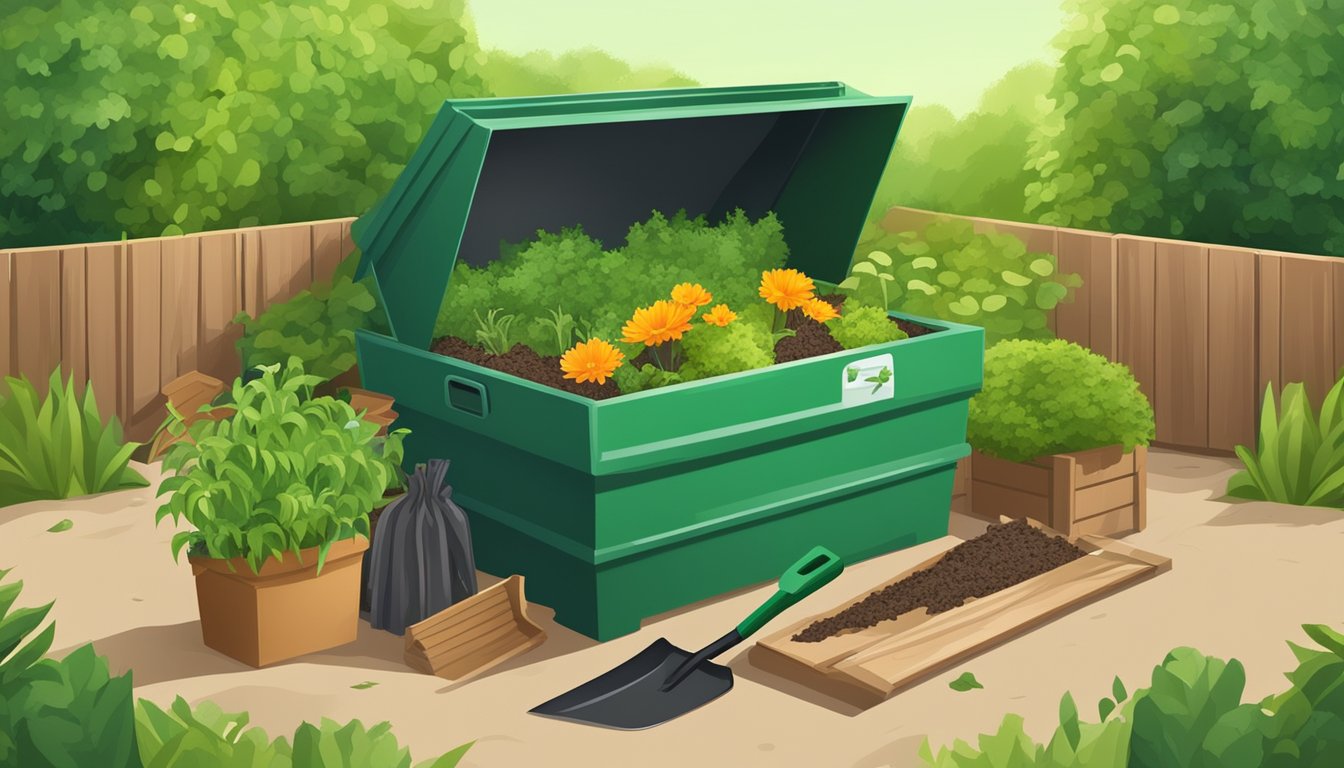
[(664, 321), (720, 316), (819, 310), (786, 288), (591, 360), (692, 295)]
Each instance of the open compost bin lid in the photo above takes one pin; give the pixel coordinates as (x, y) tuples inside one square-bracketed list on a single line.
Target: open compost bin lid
[(492, 171)]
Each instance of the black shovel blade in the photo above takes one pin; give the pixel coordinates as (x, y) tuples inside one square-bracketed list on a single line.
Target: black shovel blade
[(629, 697)]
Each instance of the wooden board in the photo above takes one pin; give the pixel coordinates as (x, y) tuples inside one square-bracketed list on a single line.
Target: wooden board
[(106, 329), (1307, 309), (1232, 342), (1181, 343), (6, 303), (867, 667), (1134, 339), (74, 323), (37, 306), (475, 634)]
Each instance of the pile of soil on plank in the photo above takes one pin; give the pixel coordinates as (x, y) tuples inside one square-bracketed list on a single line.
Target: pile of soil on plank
[(811, 339), (1004, 555), (523, 362)]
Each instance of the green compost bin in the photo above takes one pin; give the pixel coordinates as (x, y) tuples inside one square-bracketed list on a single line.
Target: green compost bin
[(620, 509)]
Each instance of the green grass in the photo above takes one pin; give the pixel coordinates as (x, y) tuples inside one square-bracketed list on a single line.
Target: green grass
[(58, 447), (1299, 458)]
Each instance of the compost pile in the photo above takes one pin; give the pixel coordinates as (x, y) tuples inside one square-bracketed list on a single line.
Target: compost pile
[(814, 339), (1004, 555)]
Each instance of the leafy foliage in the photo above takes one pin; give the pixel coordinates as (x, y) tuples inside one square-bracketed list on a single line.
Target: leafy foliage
[(493, 331), (949, 271), (965, 682), (973, 165), (711, 350), (599, 286), (284, 473), (564, 327), (1299, 458), (207, 737), (1216, 123), (317, 325), (862, 326), (66, 712), (1191, 715), (630, 379), (58, 446), (583, 71), (160, 118), (1041, 398)]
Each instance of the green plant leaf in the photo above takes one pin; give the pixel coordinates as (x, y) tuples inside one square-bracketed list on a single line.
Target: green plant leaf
[(364, 685), (965, 682), (63, 525)]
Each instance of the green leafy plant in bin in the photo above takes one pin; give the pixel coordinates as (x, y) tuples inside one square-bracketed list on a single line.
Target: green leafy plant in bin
[(59, 446), (317, 325), (563, 326), (493, 331), (715, 351), (861, 326), (285, 472), (1299, 458), (1041, 398)]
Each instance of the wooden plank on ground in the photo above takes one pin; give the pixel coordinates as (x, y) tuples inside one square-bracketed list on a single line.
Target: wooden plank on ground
[(37, 314), (875, 663), (6, 307), (1135, 342), (286, 261), (328, 248), (1181, 328), (1269, 301), (180, 307), (220, 302), (1306, 338), (1232, 404), (103, 314), (74, 311), (144, 268)]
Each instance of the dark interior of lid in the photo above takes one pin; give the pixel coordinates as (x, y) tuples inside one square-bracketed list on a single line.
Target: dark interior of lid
[(608, 176)]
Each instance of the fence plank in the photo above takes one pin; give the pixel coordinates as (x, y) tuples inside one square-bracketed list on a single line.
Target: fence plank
[(1037, 238), (1337, 268), (105, 328), (74, 322), (1232, 344), (179, 315), (1090, 318), (221, 300), (901, 219), (144, 271), (250, 276), (286, 261), (1307, 338), (1182, 344), (328, 248), (7, 366), (1135, 342), (1269, 311), (37, 310)]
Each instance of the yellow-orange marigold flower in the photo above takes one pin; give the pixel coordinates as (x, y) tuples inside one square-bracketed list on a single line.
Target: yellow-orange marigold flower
[(691, 294), (664, 321), (786, 288), (819, 310), (591, 360), (720, 316)]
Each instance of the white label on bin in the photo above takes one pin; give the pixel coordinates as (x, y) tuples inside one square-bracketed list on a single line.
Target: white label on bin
[(867, 381)]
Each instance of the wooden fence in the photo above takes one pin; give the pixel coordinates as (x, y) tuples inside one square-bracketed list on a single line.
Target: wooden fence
[(131, 316), (1204, 328)]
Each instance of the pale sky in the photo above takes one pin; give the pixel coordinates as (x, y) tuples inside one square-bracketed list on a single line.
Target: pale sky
[(938, 51)]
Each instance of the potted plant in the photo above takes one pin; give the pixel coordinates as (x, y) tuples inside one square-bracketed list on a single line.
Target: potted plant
[(278, 496), (1059, 435)]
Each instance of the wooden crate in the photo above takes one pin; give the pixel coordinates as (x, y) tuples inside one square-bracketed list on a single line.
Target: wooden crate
[(1100, 492), (961, 488), (869, 666)]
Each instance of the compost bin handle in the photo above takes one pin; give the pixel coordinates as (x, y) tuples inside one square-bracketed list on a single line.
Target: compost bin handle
[(466, 396)]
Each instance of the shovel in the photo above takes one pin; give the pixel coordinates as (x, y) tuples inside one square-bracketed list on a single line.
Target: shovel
[(663, 681)]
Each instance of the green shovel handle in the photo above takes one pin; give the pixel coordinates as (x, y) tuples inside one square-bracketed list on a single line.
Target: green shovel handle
[(813, 571)]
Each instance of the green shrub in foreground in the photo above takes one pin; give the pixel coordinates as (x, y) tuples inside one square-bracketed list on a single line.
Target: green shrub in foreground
[(58, 447), (710, 350), (860, 326), (1299, 458), (1191, 716), (1041, 398)]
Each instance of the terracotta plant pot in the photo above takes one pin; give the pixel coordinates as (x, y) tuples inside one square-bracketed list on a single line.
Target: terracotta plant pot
[(286, 610)]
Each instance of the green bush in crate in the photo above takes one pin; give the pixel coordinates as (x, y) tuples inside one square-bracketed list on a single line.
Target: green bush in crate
[(597, 286), (860, 326), (1299, 458), (947, 270), (743, 345), (1041, 398), (285, 472), (59, 446)]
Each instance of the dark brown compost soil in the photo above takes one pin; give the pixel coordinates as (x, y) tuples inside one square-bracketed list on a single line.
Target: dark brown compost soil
[(1004, 555), (811, 339)]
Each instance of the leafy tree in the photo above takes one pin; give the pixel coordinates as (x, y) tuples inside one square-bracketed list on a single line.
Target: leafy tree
[(159, 118), (582, 71), (1211, 122), (974, 165)]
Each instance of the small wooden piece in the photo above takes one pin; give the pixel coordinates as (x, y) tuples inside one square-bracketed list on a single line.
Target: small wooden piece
[(475, 634), (866, 667), (187, 394)]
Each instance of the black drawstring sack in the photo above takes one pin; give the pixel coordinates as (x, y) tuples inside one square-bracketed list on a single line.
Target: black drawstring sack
[(420, 560)]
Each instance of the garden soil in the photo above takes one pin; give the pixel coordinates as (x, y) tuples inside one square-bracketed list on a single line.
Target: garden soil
[(811, 339), (1246, 576)]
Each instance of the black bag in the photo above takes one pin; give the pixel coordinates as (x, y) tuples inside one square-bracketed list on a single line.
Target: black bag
[(420, 561)]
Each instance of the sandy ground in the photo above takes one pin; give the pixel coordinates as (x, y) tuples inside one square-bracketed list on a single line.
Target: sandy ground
[(1246, 575)]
